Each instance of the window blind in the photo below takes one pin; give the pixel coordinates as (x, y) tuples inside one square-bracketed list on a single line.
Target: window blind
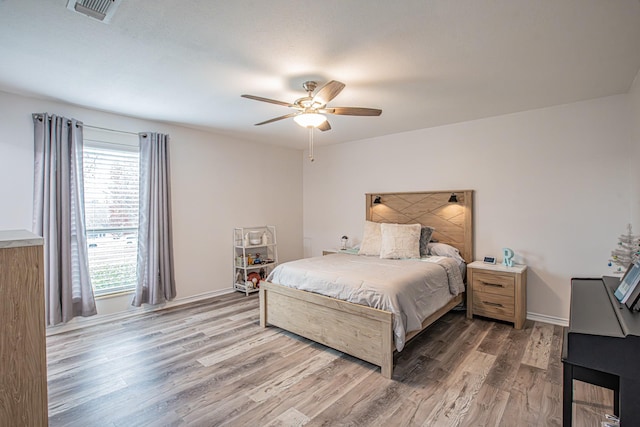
[(111, 176)]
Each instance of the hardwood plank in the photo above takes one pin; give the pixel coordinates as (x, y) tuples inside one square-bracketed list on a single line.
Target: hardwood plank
[(505, 368), (551, 408), (496, 338), (290, 418), (487, 408), (412, 409), (363, 407), (238, 350), (526, 399), (280, 383), (461, 389), (314, 393), (539, 346)]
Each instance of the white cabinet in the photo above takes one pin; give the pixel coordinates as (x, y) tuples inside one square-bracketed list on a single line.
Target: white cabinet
[(255, 254)]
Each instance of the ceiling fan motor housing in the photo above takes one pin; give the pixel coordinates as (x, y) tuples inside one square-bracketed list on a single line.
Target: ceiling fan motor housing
[(310, 86)]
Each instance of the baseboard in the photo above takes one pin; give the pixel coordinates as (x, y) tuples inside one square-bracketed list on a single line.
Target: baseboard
[(83, 322), (536, 317)]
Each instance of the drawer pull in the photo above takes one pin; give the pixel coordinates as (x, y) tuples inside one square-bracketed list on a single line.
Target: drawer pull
[(494, 304), (496, 285)]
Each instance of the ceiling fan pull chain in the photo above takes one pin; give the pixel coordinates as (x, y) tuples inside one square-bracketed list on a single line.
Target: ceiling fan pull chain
[(311, 143)]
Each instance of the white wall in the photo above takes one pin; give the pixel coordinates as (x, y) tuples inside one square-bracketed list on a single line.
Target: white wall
[(217, 183), (634, 99), (557, 185), (552, 184)]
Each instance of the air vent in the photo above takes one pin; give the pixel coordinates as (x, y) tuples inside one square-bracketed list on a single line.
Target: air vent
[(102, 10)]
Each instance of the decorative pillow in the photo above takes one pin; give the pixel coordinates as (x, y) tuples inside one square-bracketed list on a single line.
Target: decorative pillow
[(425, 238), (371, 239), (400, 240), (442, 249)]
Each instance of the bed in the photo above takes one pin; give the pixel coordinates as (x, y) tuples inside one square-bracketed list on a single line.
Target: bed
[(368, 333)]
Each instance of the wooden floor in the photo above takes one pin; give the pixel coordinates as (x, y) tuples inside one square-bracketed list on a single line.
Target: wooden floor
[(209, 364)]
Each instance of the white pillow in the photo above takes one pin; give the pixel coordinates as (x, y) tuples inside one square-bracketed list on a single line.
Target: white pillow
[(442, 249), (371, 239), (400, 240)]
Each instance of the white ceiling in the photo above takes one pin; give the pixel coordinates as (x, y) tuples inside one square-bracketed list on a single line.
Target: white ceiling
[(424, 63)]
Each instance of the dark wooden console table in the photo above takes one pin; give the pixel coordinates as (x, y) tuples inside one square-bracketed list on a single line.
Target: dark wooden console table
[(602, 347)]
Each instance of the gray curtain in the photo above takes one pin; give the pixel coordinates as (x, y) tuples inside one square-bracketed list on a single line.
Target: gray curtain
[(156, 283), (58, 216)]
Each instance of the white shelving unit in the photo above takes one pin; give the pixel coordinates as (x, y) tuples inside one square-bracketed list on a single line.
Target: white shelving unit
[(255, 254)]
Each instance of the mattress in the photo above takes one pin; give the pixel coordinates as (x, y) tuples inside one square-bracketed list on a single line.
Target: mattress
[(411, 289)]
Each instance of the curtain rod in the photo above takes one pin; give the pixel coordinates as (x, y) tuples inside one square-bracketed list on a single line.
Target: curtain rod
[(112, 130), (144, 135)]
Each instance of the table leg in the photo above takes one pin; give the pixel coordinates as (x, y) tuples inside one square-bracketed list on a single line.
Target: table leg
[(567, 394)]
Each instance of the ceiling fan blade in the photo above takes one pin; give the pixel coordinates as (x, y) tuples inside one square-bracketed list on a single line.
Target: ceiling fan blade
[(286, 116), (328, 92), (272, 101), (353, 111), (325, 126)]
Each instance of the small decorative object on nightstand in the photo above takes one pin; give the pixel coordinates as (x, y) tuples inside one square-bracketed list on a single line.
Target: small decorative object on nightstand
[(497, 291), (507, 257)]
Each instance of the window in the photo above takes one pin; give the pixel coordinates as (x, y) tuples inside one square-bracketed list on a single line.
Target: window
[(111, 165)]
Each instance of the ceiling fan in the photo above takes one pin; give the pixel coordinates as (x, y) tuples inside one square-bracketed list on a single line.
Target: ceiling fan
[(310, 109)]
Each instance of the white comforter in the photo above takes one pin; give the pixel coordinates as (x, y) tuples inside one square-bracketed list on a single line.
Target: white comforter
[(410, 289)]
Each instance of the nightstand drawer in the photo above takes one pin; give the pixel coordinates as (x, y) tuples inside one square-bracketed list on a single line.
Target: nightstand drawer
[(494, 283), (488, 304)]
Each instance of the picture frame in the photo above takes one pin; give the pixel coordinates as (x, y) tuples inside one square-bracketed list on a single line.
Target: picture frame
[(628, 283)]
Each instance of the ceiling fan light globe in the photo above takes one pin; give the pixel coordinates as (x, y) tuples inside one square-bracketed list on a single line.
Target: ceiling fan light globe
[(307, 120)]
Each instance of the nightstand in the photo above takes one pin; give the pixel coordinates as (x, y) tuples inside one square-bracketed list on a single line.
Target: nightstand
[(497, 291), (340, 251)]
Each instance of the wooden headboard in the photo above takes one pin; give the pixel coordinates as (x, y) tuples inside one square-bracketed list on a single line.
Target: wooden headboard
[(453, 221)]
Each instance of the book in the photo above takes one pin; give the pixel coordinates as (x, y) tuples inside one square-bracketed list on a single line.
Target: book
[(628, 283)]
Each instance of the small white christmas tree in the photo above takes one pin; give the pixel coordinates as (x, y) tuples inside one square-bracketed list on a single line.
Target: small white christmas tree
[(627, 252)]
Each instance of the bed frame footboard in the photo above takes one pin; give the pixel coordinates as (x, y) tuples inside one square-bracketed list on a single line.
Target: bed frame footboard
[(360, 331)]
